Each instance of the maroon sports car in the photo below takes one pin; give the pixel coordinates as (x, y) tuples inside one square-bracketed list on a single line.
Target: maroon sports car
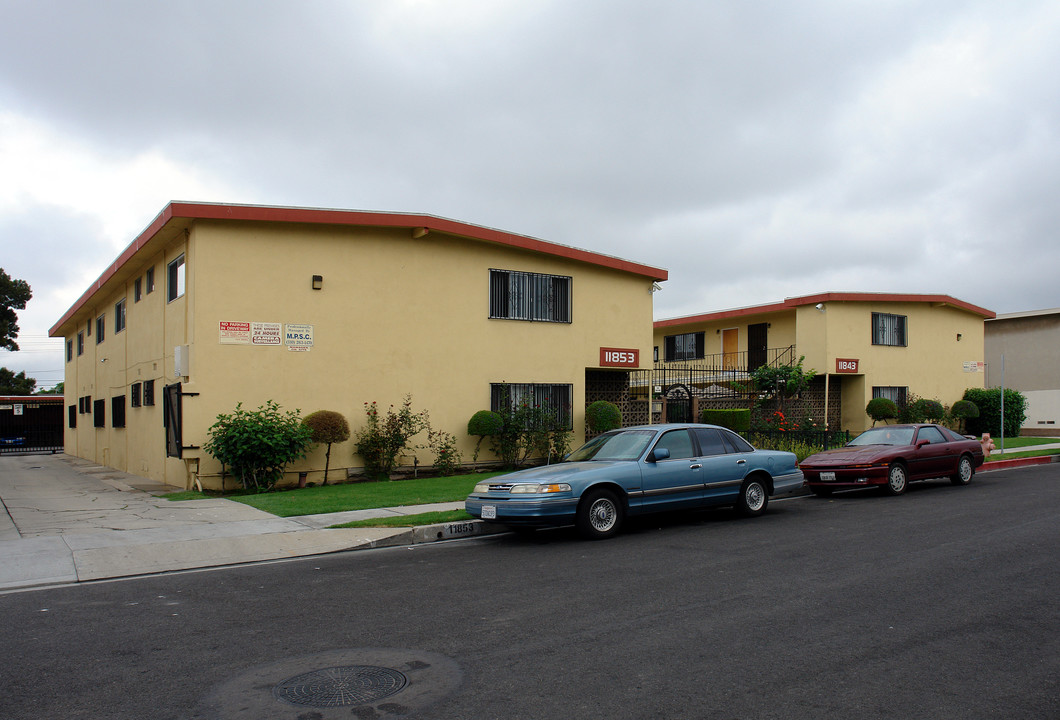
[(893, 455)]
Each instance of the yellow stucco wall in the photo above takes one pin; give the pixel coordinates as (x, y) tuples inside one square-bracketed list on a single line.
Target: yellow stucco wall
[(396, 315), (780, 333)]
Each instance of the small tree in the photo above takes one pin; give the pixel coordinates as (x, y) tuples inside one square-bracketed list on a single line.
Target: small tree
[(381, 440), (14, 294), (602, 416), (881, 409), (961, 411), (483, 424), (329, 427), (778, 382), (16, 384), (447, 458), (258, 445)]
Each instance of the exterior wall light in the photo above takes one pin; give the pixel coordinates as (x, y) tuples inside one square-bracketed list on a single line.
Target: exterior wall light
[(318, 282), (959, 336)]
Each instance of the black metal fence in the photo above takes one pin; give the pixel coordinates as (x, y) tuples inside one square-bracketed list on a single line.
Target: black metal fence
[(816, 438), (31, 425)]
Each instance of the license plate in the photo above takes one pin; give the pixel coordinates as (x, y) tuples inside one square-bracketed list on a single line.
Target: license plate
[(489, 512), (828, 477)]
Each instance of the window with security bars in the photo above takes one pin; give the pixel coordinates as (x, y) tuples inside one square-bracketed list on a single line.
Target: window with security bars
[(149, 393), (530, 296), (688, 346), (894, 393), (117, 411), (134, 394), (556, 398), (888, 329)]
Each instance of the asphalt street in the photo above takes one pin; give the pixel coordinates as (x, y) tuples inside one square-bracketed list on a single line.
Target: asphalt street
[(942, 603)]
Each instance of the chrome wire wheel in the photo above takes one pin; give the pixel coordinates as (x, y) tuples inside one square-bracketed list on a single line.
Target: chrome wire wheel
[(756, 497), (603, 514), (599, 515), (753, 498), (896, 480)]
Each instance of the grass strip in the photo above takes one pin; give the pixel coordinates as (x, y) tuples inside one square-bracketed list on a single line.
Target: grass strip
[(431, 518), (352, 496), (1030, 453)]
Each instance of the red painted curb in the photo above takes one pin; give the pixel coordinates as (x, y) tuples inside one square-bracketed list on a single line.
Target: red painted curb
[(1018, 462)]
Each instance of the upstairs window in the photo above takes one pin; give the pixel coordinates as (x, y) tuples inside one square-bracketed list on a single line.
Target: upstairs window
[(888, 329), (530, 296), (134, 394), (119, 316), (149, 392), (149, 281), (80, 343), (138, 289), (175, 279), (69, 350), (688, 346), (101, 323)]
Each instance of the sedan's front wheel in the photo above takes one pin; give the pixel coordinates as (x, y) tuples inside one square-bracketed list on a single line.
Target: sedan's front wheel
[(753, 498), (896, 480), (599, 515)]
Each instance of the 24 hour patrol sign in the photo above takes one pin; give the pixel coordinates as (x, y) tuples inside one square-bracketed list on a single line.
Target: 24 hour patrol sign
[(298, 337)]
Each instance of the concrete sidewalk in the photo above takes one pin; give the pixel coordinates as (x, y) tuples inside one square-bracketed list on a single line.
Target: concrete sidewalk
[(68, 520)]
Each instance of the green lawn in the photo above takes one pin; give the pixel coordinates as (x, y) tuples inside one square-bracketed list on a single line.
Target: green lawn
[(353, 496), (431, 518), (1015, 442)]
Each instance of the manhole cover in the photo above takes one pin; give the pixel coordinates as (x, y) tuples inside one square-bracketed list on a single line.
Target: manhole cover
[(335, 685), (341, 686)]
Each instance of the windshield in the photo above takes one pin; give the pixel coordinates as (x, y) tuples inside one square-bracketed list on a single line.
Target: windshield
[(620, 445), (885, 436)]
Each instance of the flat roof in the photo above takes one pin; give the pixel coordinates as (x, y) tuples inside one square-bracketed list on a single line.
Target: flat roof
[(794, 302), (178, 214), (1027, 314)]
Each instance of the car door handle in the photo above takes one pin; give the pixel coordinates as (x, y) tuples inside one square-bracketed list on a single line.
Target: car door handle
[(741, 462), (695, 466)]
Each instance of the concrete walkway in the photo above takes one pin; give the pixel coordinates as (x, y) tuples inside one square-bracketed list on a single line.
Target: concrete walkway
[(68, 520)]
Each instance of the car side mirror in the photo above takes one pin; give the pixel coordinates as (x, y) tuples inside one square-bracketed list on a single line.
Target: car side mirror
[(922, 443), (660, 454)]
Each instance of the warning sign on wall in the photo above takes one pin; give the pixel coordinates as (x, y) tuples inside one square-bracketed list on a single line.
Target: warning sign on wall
[(298, 337), (234, 333), (263, 333)]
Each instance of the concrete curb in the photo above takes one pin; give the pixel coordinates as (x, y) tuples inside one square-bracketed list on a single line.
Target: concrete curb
[(1018, 462)]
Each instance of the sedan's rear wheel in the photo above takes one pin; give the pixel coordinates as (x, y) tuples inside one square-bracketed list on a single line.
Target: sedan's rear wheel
[(964, 473), (896, 480), (600, 515), (753, 498)]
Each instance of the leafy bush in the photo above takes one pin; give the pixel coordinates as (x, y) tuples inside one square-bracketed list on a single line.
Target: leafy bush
[(962, 410), (881, 409), (989, 404), (258, 445), (918, 410), (484, 423), (738, 420), (602, 416), (529, 431), (447, 458), (380, 441), (327, 427), (778, 382)]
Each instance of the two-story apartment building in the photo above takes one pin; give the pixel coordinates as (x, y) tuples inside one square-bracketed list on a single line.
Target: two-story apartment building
[(1023, 353), (862, 345), (214, 305)]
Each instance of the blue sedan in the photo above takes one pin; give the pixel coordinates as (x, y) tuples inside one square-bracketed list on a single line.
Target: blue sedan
[(638, 470)]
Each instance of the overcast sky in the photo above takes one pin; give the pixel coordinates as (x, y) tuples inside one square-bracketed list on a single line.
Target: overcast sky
[(756, 150)]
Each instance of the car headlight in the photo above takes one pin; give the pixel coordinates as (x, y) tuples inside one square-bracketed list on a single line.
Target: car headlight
[(538, 489), (481, 488)]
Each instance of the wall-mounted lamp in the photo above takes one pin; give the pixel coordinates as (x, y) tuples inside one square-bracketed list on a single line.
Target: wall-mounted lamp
[(318, 282), (959, 336), (820, 307), (655, 287)]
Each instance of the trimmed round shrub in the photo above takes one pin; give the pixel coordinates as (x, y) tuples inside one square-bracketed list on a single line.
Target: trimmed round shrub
[(928, 410), (485, 423), (327, 427), (881, 409), (964, 409), (602, 416)]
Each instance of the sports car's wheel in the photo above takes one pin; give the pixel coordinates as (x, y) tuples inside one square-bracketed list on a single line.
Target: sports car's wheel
[(896, 480), (753, 498), (964, 473), (599, 515), (821, 491)]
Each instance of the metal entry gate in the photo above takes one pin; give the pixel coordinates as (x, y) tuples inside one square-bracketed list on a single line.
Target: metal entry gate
[(31, 425)]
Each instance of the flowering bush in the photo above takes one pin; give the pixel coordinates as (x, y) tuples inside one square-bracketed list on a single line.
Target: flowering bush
[(447, 458), (381, 440)]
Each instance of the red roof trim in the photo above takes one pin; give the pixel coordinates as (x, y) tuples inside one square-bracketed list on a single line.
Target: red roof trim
[(322, 216), (792, 303)]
